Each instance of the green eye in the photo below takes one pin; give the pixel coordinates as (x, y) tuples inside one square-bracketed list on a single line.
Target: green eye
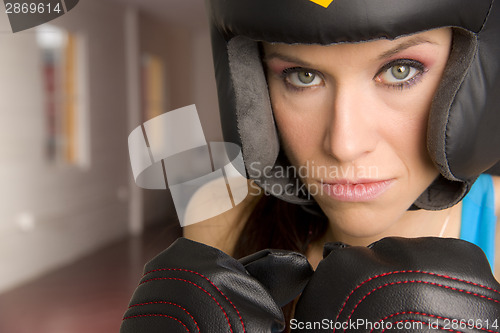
[(302, 78), (400, 72), (306, 77)]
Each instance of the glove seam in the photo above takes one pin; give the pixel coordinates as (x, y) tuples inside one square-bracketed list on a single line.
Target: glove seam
[(169, 303), (417, 281), (206, 278), (200, 287), (411, 271), (158, 315)]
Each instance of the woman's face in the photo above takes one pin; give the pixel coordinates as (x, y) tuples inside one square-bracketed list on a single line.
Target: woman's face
[(355, 115)]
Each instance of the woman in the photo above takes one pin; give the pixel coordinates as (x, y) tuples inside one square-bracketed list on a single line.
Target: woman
[(358, 120), (362, 120)]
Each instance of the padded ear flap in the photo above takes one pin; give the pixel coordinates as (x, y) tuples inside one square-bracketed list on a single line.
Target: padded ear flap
[(463, 134), (447, 190), (473, 143), (254, 115), (256, 126)]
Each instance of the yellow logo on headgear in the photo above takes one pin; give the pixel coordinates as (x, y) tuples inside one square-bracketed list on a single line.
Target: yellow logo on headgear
[(324, 3)]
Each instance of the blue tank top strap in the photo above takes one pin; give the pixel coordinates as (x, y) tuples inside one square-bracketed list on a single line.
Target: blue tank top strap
[(478, 216)]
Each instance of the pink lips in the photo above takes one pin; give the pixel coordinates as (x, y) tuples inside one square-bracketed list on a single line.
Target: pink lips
[(359, 191)]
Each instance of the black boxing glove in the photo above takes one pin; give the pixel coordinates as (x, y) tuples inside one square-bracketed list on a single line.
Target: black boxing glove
[(192, 287), (401, 285)]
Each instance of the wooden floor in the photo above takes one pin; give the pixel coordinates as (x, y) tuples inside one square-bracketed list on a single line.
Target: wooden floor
[(90, 295)]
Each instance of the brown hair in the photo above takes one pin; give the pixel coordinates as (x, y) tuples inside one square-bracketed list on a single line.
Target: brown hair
[(276, 224)]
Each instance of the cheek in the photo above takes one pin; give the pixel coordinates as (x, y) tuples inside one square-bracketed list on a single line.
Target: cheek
[(299, 124), (412, 111), (408, 112), (407, 134)]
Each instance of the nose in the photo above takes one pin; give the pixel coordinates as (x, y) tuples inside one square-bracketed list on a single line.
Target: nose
[(352, 125)]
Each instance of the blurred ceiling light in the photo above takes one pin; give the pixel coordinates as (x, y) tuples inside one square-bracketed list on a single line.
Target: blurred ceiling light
[(49, 36)]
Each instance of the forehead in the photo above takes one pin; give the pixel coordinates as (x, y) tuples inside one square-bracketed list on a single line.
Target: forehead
[(376, 49)]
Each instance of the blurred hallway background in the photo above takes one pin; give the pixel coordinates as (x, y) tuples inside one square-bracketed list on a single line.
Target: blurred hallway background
[(75, 230)]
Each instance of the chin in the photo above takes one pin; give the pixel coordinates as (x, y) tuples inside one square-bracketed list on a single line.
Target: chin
[(364, 230), (364, 221)]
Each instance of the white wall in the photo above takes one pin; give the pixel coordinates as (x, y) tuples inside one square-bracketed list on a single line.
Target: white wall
[(173, 45), (78, 210), (75, 210), (190, 80), (205, 91)]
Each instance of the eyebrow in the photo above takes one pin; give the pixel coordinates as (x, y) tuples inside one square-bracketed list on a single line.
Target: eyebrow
[(287, 58), (403, 46), (387, 54)]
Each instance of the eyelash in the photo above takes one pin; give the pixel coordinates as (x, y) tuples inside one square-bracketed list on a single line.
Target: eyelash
[(398, 62), (421, 69), (287, 71)]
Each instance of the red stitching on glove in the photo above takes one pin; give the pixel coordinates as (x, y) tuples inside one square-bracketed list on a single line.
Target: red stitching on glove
[(410, 271), (170, 303), (428, 315), (194, 284), (159, 315), (416, 281), (423, 322), (203, 276)]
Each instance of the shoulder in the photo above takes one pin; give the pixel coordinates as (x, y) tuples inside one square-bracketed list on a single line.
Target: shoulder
[(487, 186), (496, 186), (214, 219)]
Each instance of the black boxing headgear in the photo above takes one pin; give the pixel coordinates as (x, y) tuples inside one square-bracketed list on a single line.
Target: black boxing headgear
[(463, 137)]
